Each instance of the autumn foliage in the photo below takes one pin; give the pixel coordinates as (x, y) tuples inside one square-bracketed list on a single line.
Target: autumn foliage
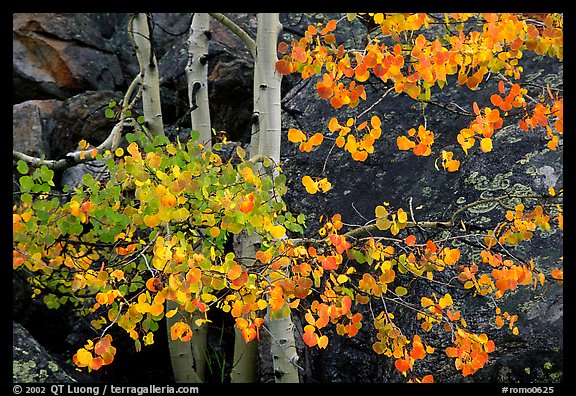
[(156, 230)]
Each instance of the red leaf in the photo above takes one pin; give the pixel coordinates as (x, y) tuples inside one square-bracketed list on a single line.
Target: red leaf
[(402, 365), (310, 339), (410, 240)]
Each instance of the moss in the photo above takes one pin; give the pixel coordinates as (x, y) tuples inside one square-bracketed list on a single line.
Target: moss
[(25, 371)]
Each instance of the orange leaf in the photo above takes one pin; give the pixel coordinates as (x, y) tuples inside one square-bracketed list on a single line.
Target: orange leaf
[(310, 338), (428, 379), (96, 363), (284, 67), (310, 318), (452, 352), (346, 304), (246, 206), (316, 139), (451, 256), (330, 26), (489, 347), (328, 263), (299, 54), (476, 108), (496, 100), (402, 365), (235, 272), (180, 330), (296, 135), (102, 345), (418, 352), (241, 323), (410, 240), (404, 143)]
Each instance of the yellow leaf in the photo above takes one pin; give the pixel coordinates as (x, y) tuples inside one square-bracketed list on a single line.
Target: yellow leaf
[(277, 231), (486, 145), (323, 342), (381, 211), (311, 186), (171, 313), (262, 304), (151, 220), (148, 339), (445, 301), (207, 297), (82, 358), (383, 224), (402, 216), (214, 232)]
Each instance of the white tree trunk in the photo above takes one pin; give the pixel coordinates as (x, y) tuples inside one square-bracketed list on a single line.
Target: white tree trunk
[(197, 75), (140, 34), (189, 358), (267, 139), (182, 354)]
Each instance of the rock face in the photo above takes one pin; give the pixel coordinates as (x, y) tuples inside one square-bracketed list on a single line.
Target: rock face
[(68, 67), (32, 363), (56, 55)]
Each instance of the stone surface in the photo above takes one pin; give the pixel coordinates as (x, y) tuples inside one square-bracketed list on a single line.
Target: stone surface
[(57, 55), (31, 363), (29, 129), (80, 117)]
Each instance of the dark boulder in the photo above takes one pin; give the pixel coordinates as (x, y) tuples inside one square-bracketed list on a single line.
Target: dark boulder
[(59, 55)]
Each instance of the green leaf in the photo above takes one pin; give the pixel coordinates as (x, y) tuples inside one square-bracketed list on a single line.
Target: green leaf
[(301, 218), (401, 291), (140, 120), (75, 228), (240, 152), (22, 167), (26, 198), (194, 135), (109, 113), (26, 183), (358, 256)]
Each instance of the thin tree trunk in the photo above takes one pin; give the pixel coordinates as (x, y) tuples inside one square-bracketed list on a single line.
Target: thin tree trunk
[(268, 138), (139, 32), (197, 75), (182, 354), (189, 358)]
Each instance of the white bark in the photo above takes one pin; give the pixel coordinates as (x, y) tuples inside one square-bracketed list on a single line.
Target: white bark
[(140, 34), (197, 75), (189, 359), (266, 142), (181, 353), (267, 90)]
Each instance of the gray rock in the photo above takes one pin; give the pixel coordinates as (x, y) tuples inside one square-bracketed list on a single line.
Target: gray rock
[(58, 55), (32, 363), (29, 129)]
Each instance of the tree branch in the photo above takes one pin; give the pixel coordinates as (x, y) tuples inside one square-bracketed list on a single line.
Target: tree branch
[(237, 30)]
